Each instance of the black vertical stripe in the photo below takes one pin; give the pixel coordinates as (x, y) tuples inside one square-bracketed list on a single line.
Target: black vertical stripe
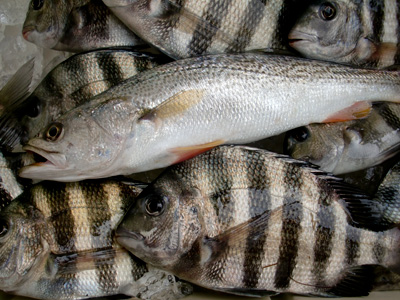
[(258, 204), (378, 18), (291, 220), (249, 23), (390, 116), (352, 244), (111, 69), (205, 31), (378, 250)]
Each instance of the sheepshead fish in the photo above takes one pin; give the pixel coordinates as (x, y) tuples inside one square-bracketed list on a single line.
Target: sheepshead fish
[(249, 221), (363, 33), (75, 26), (388, 196), (175, 111), (67, 86), (56, 242), (349, 146), (187, 28)]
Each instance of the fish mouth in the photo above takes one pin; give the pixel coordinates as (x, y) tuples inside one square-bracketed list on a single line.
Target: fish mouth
[(128, 234), (26, 31), (296, 37), (42, 161)]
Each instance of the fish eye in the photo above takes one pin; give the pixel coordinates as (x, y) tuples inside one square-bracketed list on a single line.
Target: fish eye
[(33, 107), (327, 11), (54, 131), (155, 206), (3, 228), (37, 4), (300, 134)]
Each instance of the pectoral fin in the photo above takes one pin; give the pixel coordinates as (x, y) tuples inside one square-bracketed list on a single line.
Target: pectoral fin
[(185, 153), (358, 110), (173, 106)]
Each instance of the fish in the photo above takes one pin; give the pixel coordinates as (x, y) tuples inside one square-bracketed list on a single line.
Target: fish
[(351, 146), (10, 188), (388, 196), (68, 85), (75, 26), (362, 33), (248, 221), (57, 242), (178, 110), (187, 28)]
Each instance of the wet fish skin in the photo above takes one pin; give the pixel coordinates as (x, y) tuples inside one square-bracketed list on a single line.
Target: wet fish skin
[(68, 85), (57, 243), (186, 107), (363, 33), (351, 146), (250, 221), (75, 26), (10, 188), (187, 28)]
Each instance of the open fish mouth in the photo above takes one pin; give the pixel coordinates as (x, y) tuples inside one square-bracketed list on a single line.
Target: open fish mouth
[(41, 157), (298, 37), (125, 233)]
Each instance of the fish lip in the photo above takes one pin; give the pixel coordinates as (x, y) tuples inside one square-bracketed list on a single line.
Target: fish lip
[(53, 158), (26, 32), (298, 37), (125, 233)]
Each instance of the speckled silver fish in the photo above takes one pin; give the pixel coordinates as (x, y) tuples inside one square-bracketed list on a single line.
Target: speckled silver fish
[(67, 86), (175, 111), (249, 221), (346, 147), (57, 242), (187, 28), (10, 188), (75, 26), (359, 32)]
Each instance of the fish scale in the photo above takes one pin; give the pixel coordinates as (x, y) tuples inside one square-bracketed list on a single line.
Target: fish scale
[(306, 235), (192, 28)]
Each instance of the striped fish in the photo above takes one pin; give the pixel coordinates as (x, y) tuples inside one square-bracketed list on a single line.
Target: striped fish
[(359, 32), (187, 28), (248, 221), (67, 86), (56, 242), (350, 146), (75, 26)]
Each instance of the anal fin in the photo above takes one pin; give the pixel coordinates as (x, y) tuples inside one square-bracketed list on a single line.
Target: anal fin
[(356, 111), (356, 282)]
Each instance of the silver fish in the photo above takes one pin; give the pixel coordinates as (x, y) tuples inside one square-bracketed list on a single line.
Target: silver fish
[(349, 146), (363, 33), (56, 242), (177, 110), (67, 86), (10, 188), (248, 221), (75, 25), (187, 28)]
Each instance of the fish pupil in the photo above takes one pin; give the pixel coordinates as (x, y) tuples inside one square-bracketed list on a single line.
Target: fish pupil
[(154, 206), (54, 131), (327, 11), (3, 228), (37, 4)]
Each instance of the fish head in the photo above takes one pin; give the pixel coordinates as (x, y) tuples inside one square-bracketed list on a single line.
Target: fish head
[(45, 22), (24, 244), (320, 144), (84, 143), (163, 223), (328, 30)]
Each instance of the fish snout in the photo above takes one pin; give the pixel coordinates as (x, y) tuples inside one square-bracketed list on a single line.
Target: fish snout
[(26, 31)]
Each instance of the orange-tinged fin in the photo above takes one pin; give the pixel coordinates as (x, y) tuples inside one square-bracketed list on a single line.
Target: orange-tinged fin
[(185, 153), (174, 106), (358, 110)]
